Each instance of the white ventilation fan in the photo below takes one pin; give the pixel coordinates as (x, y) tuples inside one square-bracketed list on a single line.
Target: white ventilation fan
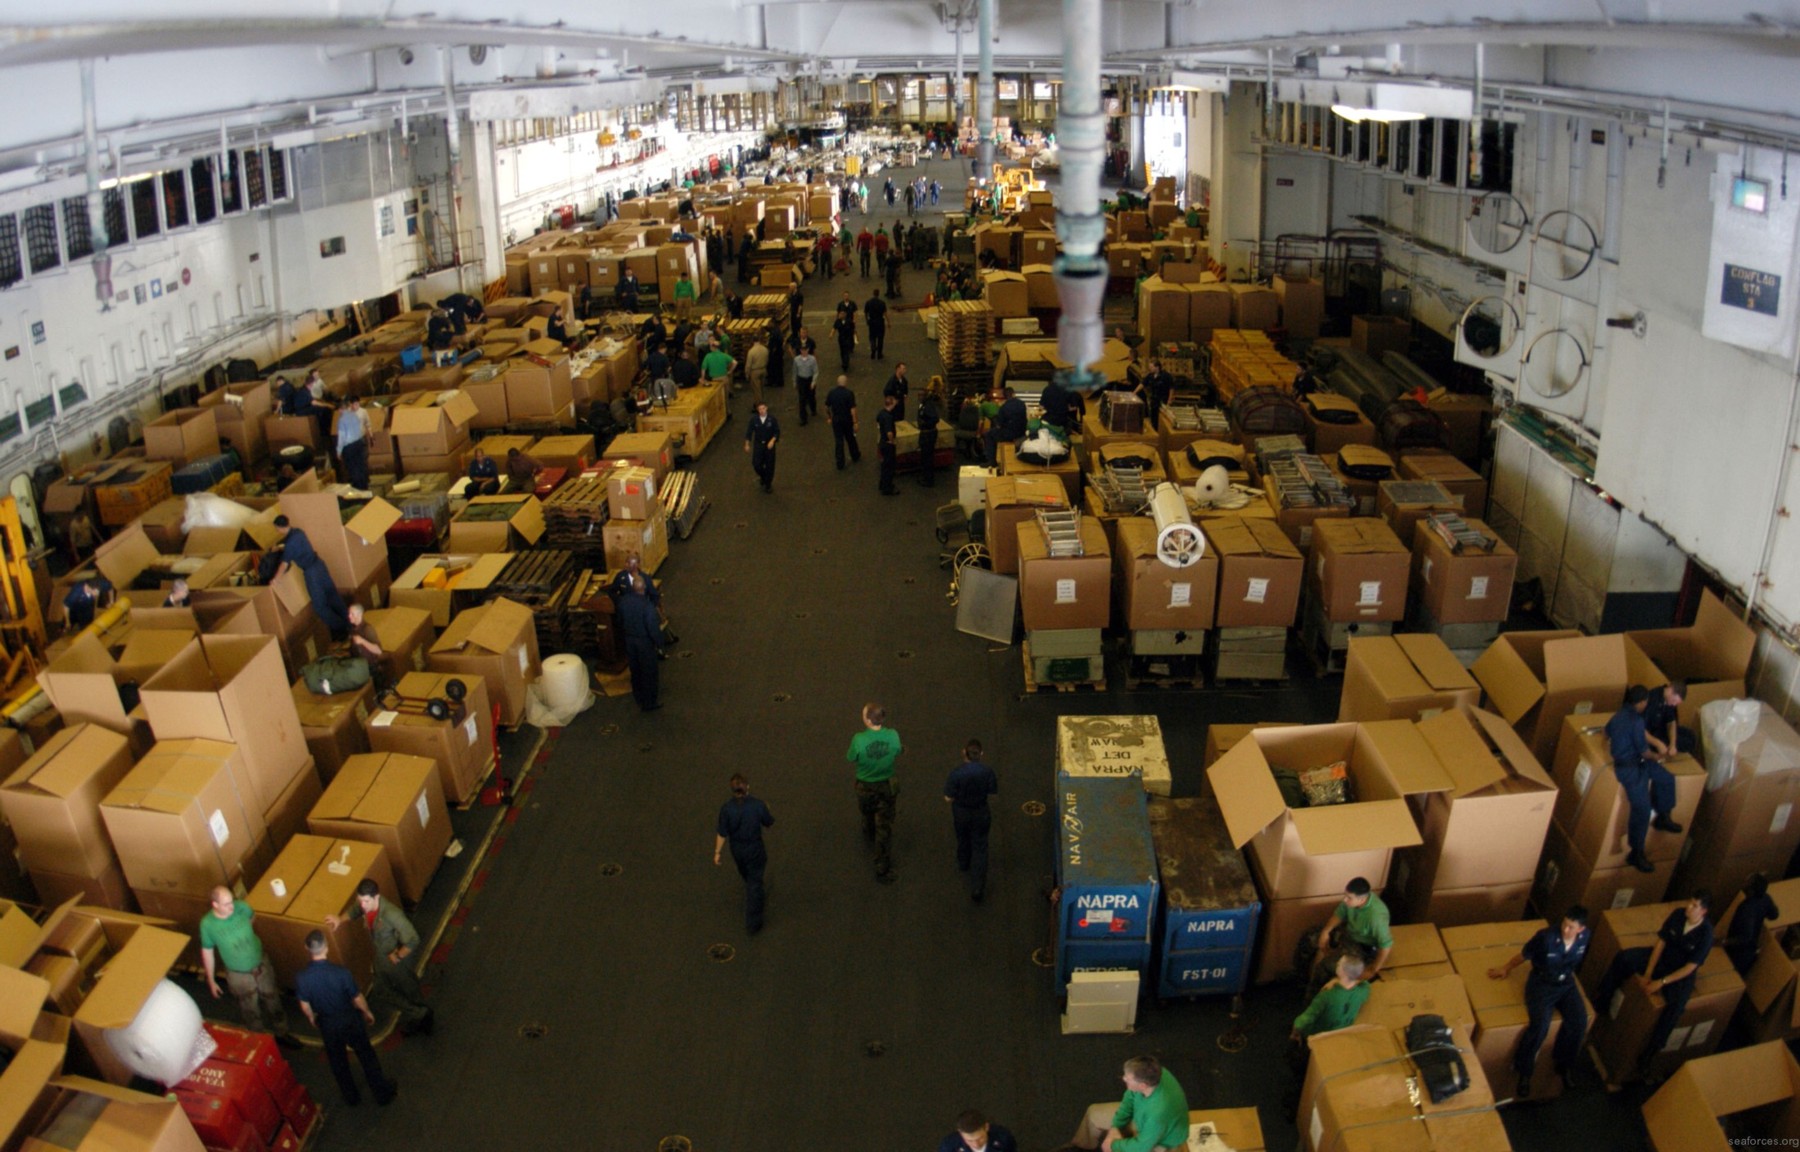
[(1179, 542), (1555, 363), (1487, 336), (1565, 255), (1496, 228)]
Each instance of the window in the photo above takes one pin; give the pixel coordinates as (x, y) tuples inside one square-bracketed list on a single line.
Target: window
[(231, 191), (40, 237), (71, 395), (11, 270), (77, 233), (143, 208), (1449, 155), (278, 183), (331, 247), (253, 178), (114, 211), (175, 198), (39, 411), (9, 427), (1496, 152), (206, 201)]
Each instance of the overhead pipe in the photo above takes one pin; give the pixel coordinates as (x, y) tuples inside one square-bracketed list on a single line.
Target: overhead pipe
[(453, 135), (1615, 191), (984, 91), (1080, 273)]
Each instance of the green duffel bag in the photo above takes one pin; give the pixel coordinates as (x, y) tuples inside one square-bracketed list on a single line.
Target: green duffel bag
[(330, 675)]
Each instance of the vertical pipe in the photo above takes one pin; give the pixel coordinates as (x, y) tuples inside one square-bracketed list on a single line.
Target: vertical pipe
[(90, 130), (1615, 191), (984, 93), (1080, 273), (956, 94), (453, 130), (1546, 150), (1578, 146)]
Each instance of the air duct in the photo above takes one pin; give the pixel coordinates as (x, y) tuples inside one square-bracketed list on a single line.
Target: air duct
[(1081, 144)]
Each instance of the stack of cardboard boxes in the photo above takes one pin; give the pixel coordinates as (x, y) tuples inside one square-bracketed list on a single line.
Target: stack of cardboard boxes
[(637, 524), (1166, 611), (1356, 582), (1461, 593), (1500, 1005), (1260, 574), (1065, 604), (1745, 823), (52, 802), (1770, 1009)]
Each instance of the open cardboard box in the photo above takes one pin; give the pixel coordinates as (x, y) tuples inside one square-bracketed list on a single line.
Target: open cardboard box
[(83, 1115), (473, 574), (522, 528), (1712, 655), (1406, 677), (352, 549), (1719, 1102), (119, 992), (1535, 679), (497, 642), (1315, 852), (37, 1055), (83, 682)]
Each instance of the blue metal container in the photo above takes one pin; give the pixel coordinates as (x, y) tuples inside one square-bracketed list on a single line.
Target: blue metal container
[(1210, 909), (1106, 871)]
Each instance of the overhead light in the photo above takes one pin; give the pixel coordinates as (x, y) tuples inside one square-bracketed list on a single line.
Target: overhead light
[(1379, 115)]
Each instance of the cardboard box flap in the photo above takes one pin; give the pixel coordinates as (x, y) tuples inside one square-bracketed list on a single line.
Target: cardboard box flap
[(372, 523), (126, 555), (294, 867), (1725, 1083), (290, 589), (22, 997), (348, 788), (529, 521), (1462, 752), (491, 627), (1407, 757), (1355, 827), (460, 408), (1514, 752), (1770, 976), (262, 529), (128, 977), (1510, 684), (210, 541), (87, 668), (1586, 662), (35, 1065), (1248, 796), (113, 1092), (1331, 402), (1435, 662), (1359, 455), (19, 938), (415, 420), (69, 763)]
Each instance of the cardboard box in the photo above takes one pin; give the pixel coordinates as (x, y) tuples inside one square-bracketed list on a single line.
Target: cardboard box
[(283, 431), (1317, 851), (1153, 594), (1359, 1096), (574, 453), (538, 383), (1499, 1005), (287, 815), (1406, 677), (52, 801), (119, 993), (1006, 294), (1064, 591), (1536, 679), (1359, 571), (1302, 305), (1373, 335), (646, 539), (497, 642), (107, 890), (83, 681), (1239, 1128), (522, 527), (334, 726), (352, 549), (1012, 501), (433, 425), (182, 436), (1448, 473), (445, 584), (1489, 827), (463, 749), (1752, 1093), (1329, 437), (1253, 306), (652, 450), (232, 689), (179, 820), (1259, 573), (1567, 878), (318, 877), (396, 801), (1591, 806), (238, 413), (1712, 655), (1622, 1028), (1462, 588), (631, 493), (1771, 1010), (1284, 922), (404, 633)]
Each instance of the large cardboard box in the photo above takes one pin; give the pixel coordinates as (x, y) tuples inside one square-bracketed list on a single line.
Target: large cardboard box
[(1751, 811), (352, 549), (1752, 1093), (1622, 1028), (394, 800), (1302, 305), (1403, 503), (1162, 310), (462, 746), (1373, 335), (83, 681), (1712, 654), (444, 584), (1361, 1095), (1058, 592), (631, 493), (432, 425), (1359, 571), (334, 726), (1488, 828), (1240, 1129), (1006, 293), (119, 993), (538, 382), (652, 450), (180, 821), (1253, 306), (1260, 573), (1329, 437), (1315, 852), (1592, 808), (238, 412), (1014, 500), (1566, 878), (1499, 1005), (1155, 595), (647, 539), (404, 633), (480, 526), (1406, 677), (182, 436), (53, 801), (1771, 1011), (1448, 473), (317, 877), (1462, 587), (1209, 309), (232, 689), (1536, 679), (497, 642)]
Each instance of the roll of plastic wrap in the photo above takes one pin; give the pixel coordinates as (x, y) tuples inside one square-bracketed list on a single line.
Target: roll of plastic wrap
[(565, 682), (1179, 542), (165, 1043)]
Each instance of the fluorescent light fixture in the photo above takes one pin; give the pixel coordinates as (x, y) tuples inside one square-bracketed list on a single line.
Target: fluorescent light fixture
[(1380, 116), (1183, 80), (1394, 103)]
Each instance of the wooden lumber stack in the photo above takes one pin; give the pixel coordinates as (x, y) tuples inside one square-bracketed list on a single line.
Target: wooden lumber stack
[(575, 514), (965, 334)]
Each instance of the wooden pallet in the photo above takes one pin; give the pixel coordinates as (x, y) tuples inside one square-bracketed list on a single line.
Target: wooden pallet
[(1032, 687)]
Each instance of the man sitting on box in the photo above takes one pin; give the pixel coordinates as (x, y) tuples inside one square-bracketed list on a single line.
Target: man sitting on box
[(1361, 923), (484, 474), (1555, 955), (1649, 787), (1668, 968), (1153, 1115)]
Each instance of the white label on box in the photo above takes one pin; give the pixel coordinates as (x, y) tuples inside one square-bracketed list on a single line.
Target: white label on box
[(221, 831), (1425, 572), (1779, 823), (1586, 707), (1677, 1040), (1368, 592), (1701, 1031), (1623, 897), (469, 729), (649, 532), (423, 807), (1181, 594), (1065, 591), (1428, 713), (1256, 591), (383, 719), (524, 660), (1098, 916), (1584, 776), (1316, 1128), (1477, 586)]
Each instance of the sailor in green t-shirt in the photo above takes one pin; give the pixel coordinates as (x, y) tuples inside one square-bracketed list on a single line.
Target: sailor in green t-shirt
[(228, 941), (1153, 1115), (873, 751), (1336, 1004), (1365, 927)]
